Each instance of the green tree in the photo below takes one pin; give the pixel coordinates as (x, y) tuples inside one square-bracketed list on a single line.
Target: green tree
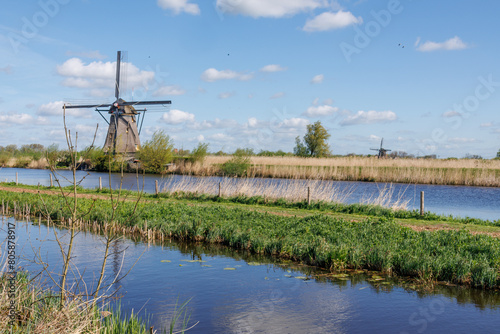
[(157, 152), (199, 153), (498, 154), (315, 142), (52, 155)]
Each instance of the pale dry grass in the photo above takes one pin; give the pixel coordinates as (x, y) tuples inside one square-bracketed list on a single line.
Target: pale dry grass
[(37, 316), (291, 190), (34, 164), (469, 172)]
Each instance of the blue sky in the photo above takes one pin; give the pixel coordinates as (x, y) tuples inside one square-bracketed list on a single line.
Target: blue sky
[(254, 73)]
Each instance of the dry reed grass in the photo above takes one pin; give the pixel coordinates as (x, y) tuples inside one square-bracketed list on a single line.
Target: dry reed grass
[(38, 312), (34, 164), (292, 190), (468, 172)]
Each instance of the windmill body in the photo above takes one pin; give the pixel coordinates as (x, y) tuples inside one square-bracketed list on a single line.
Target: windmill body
[(123, 134), (382, 152), (123, 131)]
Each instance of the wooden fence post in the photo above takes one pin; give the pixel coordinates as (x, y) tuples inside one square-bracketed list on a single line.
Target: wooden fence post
[(156, 187), (100, 183), (422, 203), (308, 195), (51, 181), (220, 191)]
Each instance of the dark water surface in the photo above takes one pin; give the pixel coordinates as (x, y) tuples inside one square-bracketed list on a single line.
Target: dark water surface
[(463, 201), (258, 295)]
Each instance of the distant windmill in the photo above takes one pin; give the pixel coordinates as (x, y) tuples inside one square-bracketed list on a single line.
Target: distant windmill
[(381, 151), (123, 134)]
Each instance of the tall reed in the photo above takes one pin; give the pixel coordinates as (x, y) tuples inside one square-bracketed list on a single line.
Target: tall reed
[(426, 171), (293, 190)]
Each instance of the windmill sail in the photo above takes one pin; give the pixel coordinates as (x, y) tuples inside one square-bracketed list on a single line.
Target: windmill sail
[(123, 135)]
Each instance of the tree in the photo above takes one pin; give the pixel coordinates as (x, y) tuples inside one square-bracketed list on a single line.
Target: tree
[(199, 153), (157, 152), (498, 154), (300, 149), (315, 142)]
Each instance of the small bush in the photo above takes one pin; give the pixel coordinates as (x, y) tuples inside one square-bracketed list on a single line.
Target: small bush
[(237, 165), (22, 162), (4, 159), (156, 153)]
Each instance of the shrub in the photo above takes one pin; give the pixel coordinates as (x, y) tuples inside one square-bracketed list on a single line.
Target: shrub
[(237, 165), (156, 153), (22, 162), (4, 159)]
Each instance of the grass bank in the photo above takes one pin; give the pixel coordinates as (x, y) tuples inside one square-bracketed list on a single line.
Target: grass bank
[(375, 241)]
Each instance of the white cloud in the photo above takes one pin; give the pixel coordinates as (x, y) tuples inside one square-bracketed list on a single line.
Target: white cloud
[(454, 43), (16, 118), (56, 109), (215, 124), (100, 74), (175, 116), (324, 110), (330, 21), (169, 90), (451, 113), (212, 74), (273, 68), (221, 137), (268, 8), (317, 79), (369, 117), (278, 95), (486, 125), (295, 122), (179, 6), (200, 138), (252, 122), (22, 119)]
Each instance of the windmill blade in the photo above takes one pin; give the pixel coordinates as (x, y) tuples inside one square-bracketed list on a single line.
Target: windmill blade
[(117, 81), (142, 103), (381, 143), (88, 106)]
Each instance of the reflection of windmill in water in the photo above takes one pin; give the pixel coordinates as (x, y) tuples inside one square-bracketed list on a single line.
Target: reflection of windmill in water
[(123, 133), (381, 151)]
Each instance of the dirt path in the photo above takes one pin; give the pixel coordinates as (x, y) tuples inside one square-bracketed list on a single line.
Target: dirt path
[(419, 228)]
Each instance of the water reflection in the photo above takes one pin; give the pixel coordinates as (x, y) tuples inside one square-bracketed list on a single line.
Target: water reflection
[(262, 294)]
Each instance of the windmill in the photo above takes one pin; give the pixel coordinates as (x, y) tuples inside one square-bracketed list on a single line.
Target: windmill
[(381, 151), (123, 133)]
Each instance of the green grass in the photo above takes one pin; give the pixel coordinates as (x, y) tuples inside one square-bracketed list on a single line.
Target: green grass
[(376, 243), (316, 206)]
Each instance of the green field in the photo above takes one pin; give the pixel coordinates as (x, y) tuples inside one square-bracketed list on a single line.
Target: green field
[(327, 235)]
